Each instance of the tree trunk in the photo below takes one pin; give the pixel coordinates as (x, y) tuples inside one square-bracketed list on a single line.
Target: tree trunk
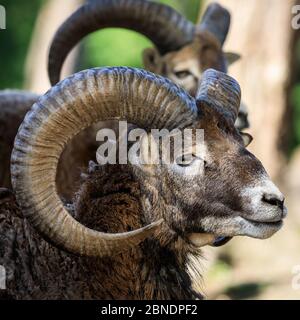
[(52, 14), (261, 32)]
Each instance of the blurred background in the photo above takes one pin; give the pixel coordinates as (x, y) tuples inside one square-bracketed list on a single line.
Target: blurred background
[(269, 75)]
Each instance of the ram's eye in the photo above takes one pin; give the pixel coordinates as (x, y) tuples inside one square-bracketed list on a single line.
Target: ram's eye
[(182, 74), (185, 160)]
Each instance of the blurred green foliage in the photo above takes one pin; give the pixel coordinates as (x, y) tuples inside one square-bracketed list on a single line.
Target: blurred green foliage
[(189, 9), (113, 47), (295, 100), (220, 271), (15, 40), (244, 291)]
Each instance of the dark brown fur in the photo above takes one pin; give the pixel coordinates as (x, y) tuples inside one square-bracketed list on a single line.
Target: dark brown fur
[(13, 108), (109, 201)]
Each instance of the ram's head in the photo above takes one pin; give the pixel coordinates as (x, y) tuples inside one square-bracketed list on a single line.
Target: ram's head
[(186, 65), (182, 52), (222, 192)]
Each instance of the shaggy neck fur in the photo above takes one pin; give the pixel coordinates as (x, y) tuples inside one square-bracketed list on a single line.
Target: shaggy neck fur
[(112, 201), (109, 201)]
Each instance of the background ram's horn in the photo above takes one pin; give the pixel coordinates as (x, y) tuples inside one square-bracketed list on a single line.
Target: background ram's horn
[(164, 26), (216, 20)]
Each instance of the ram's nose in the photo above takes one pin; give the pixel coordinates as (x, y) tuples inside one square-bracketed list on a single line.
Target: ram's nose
[(274, 199), (267, 202)]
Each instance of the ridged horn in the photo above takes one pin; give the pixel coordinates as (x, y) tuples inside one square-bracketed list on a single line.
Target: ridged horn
[(85, 98), (220, 91), (165, 27), (216, 20)]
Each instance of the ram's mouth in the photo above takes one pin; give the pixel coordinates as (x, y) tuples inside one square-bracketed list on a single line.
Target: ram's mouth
[(203, 239), (261, 223), (262, 227), (220, 241)]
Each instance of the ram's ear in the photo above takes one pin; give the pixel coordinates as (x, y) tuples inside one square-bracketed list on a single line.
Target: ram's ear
[(247, 138), (152, 60), (232, 57)]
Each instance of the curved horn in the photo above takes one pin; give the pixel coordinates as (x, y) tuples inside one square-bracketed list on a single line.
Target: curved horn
[(167, 29), (216, 20), (85, 98), (220, 91)]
